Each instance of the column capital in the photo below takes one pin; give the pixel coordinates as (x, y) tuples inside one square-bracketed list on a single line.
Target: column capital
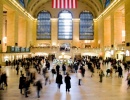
[(54, 19)]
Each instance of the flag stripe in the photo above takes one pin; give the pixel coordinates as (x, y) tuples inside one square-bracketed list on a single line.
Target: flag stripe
[(70, 4), (73, 3), (67, 4), (58, 3), (76, 3), (62, 4), (53, 3)]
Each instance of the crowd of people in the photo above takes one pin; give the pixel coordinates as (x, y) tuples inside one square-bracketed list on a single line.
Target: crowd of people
[(29, 67)]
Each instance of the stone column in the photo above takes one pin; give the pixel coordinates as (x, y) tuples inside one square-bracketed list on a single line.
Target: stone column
[(54, 34), (112, 34), (76, 33), (54, 31), (34, 33), (127, 26), (96, 44), (1, 25), (1, 28), (16, 21), (75, 41), (112, 29), (4, 33), (30, 33), (101, 35)]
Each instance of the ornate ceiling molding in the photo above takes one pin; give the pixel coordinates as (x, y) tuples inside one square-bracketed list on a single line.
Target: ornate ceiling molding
[(35, 6)]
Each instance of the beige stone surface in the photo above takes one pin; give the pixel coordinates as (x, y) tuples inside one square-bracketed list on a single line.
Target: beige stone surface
[(91, 89)]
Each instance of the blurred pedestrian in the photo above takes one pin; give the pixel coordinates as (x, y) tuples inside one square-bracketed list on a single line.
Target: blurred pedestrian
[(39, 87), (67, 82), (59, 80)]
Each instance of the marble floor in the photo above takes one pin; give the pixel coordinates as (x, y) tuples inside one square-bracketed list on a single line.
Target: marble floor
[(91, 89)]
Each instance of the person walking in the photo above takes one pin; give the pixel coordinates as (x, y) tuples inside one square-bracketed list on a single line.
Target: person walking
[(47, 77), (57, 68), (21, 82), (64, 68), (21, 69), (67, 82), (92, 71), (48, 65), (39, 87), (120, 71), (59, 80), (53, 71), (26, 87), (111, 72), (4, 80), (101, 75), (0, 67), (128, 80), (79, 77), (17, 68), (75, 67)]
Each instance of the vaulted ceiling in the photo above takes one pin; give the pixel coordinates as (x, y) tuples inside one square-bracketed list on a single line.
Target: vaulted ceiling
[(35, 6)]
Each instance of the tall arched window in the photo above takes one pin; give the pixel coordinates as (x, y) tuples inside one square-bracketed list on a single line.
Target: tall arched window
[(86, 26), (44, 26), (65, 26), (22, 3)]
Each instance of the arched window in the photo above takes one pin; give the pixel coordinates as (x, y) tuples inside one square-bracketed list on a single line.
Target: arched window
[(44, 26), (22, 3), (86, 26), (107, 3), (65, 26)]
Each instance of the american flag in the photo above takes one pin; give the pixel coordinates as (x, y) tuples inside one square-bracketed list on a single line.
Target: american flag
[(65, 4)]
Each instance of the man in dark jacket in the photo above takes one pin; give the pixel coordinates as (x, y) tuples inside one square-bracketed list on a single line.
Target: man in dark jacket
[(39, 87), (48, 64), (64, 68), (26, 87), (76, 67), (57, 68), (59, 80), (21, 82), (67, 82), (120, 71)]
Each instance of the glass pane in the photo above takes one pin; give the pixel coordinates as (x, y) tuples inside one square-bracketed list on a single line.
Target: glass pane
[(86, 26), (107, 3), (44, 26), (22, 3), (65, 28)]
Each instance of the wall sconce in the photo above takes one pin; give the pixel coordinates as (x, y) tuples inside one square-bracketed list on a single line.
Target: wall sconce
[(123, 36), (127, 53), (112, 52), (99, 41), (53, 44), (5, 40), (87, 41), (63, 53)]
